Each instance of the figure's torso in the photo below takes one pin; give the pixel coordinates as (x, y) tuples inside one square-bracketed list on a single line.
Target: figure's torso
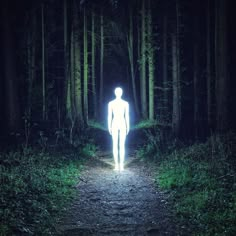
[(118, 111)]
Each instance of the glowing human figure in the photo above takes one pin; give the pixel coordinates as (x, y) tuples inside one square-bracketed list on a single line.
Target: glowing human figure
[(118, 126)]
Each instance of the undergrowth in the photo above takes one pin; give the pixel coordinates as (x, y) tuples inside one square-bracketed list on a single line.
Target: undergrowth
[(97, 125), (35, 189), (201, 182), (144, 124)]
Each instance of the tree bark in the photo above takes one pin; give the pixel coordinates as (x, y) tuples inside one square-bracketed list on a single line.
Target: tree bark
[(143, 64), (165, 69), (93, 44), (77, 72), (176, 113), (72, 72), (150, 63), (67, 93), (10, 77), (216, 44), (85, 92), (175, 84), (43, 65), (130, 43), (178, 58), (31, 50), (195, 77), (67, 60), (101, 61), (208, 66), (222, 62)]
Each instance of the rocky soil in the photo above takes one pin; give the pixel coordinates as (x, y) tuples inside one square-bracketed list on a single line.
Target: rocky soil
[(110, 202)]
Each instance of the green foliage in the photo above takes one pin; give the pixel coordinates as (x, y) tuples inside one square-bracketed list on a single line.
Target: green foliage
[(35, 188), (97, 125), (147, 151), (153, 147), (201, 180), (144, 124), (89, 150)]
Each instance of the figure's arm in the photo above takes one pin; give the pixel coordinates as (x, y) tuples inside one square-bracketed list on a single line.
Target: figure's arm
[(109, 117), (127, 118)]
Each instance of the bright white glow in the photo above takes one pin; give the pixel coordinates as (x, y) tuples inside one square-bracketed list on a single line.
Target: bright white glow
[(118, 126)]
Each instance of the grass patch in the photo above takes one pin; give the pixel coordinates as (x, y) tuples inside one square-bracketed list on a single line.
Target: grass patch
[(202, 182), (35, 189), (89, 150), (145, 124), (140, 125), (97, 125)]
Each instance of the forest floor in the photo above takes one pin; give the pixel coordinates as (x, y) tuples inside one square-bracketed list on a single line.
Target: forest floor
[(110, 202)]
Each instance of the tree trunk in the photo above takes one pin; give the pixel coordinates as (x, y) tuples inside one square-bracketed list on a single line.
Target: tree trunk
[(143, 64), (216, 73), (222, 62), (31, 46), (130, 42), (195, 77), (176, 113), (178, 59), (10, 77), (101, 61), (93, 44), (43, 66), (175, 84), (150, 63), (68, 97), (73, 91), (67, 63), (72, 72), (66, 94), (85, 92), (165, 69), (208, 66), (78, 73), (138, 42)]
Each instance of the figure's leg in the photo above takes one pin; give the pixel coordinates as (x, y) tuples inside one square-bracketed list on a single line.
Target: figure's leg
[(122, 148), (115, 147)]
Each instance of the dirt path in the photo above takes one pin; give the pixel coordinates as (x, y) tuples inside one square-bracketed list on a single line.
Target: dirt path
[(117, 203)]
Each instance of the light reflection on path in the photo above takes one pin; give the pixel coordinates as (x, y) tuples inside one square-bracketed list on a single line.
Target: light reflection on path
[(117, 203)]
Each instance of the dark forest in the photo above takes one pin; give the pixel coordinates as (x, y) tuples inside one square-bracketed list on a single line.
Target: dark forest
[(60, 62)]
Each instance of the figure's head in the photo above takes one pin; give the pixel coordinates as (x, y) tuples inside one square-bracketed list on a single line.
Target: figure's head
[(118, 92)]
